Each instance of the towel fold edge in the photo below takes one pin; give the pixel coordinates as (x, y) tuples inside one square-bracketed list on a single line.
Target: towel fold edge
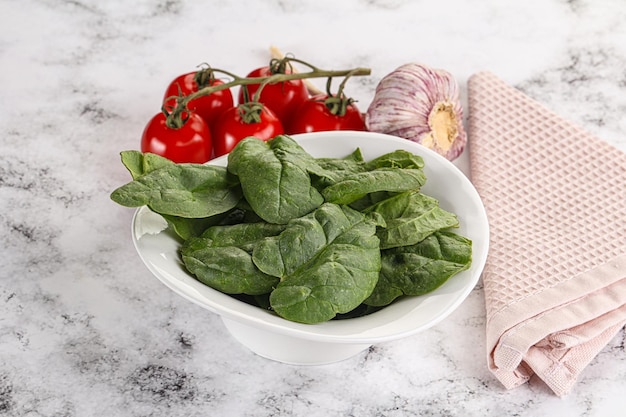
[(596, 304)]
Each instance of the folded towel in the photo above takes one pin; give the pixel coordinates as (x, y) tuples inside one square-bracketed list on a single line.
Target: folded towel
[(555, 195)]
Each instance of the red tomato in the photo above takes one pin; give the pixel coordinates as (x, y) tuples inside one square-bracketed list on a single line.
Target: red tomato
[(314, 116), (189, 143), (231, 127), (283, 98), (209, 107)]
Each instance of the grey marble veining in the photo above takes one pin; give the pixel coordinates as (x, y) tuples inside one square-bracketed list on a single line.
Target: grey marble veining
[(85, 330)]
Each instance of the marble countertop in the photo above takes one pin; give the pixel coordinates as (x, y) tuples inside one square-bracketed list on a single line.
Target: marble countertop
[(86, 330)]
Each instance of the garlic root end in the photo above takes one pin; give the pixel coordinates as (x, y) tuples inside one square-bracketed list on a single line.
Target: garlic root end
[(442, 121)]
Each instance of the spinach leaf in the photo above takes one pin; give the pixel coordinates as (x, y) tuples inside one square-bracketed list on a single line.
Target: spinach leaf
[(351, 163), (370, 199), (281, 255), (189, 227), (356, 186), (339, 168), (396, 159), (275, 177), (243, 235), (360, 311), (139, 164), (331, 274), (421, 268), (186, 228), (304, 237), (221, 258), (410, 217), (183, 190), (351, 171)]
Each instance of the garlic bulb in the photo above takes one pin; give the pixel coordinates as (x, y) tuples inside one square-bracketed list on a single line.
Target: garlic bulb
[(420, 104)]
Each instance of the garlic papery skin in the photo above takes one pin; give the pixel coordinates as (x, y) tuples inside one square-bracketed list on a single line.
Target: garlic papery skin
[(421, 104)]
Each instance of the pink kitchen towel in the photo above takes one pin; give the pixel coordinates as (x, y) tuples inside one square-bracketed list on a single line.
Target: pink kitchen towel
[(555, 195)]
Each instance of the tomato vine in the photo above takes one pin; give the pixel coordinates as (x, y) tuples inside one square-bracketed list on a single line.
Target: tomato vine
[(176, 115)]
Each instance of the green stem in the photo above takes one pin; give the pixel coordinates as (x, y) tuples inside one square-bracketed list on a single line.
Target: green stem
[(230, 74), (272, 79), (289, 59), (174, 119), (204, 76), (250, 112), (343, 83), (279, 66), (338, 103)]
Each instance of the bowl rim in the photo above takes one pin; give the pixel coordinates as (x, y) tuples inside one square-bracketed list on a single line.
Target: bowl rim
[(392, 322)]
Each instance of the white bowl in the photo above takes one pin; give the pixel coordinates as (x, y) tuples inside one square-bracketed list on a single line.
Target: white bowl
[(275, 338)]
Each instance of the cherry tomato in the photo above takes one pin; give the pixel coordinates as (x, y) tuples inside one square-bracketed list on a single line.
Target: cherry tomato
[(189, 143), (314, 116), (283, 98), (209, 107), (232, 127)]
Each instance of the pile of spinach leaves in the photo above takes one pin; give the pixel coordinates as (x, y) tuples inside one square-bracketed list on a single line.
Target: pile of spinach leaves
[(310, 238)]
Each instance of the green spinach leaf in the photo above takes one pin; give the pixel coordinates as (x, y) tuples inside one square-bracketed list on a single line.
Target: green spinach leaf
[(222, 258), (281, 255), (421, 268), (410, 217), (370, 199), (183, 190), (396, 159), (356, 186), (243, 235), (139, 164), (338, 168), (360, 311), (331, 275), (189, 227), (275, 177)]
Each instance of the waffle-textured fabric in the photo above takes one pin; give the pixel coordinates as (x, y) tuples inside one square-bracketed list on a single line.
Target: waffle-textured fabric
[(555, 196)]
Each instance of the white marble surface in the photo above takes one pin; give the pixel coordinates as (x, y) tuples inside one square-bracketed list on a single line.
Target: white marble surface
[(85, 330)]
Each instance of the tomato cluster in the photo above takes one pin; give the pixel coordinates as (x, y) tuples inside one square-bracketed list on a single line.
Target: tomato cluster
[(212, 124)]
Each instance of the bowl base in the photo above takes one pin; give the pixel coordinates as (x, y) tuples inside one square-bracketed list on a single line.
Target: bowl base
[(291, 350)]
